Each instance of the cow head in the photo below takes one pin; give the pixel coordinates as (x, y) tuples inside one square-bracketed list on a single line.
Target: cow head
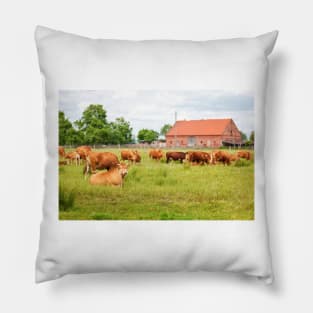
[(123, 169), (187, 156)]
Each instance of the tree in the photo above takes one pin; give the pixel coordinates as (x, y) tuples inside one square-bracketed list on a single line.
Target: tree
[(94, 116), (243, 136), (251, 138), (95, 129), (121, 131), (93, 125), (165, 128), (147, 135), (65, 129)]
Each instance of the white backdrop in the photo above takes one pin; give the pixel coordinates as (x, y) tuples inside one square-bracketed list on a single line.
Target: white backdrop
[(289, 154)]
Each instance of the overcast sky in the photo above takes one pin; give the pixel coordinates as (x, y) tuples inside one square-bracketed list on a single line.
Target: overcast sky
[(152, 108)]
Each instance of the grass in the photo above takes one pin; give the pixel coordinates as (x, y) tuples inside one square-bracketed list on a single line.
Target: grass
[(159, 191), (66, 198)]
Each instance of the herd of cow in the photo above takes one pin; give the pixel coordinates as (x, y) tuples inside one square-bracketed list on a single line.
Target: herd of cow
[(116, 170)]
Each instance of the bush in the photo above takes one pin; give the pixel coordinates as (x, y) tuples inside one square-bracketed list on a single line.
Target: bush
[(66, 199)]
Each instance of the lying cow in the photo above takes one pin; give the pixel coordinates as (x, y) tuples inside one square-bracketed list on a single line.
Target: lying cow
[(83, 151), (73, 157), (244, 155), (156, 154), (113, 177), (100, 161), (175, 156), (131, 156), (222, 156)]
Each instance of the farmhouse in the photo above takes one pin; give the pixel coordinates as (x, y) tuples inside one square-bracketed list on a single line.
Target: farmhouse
[(203, 133)]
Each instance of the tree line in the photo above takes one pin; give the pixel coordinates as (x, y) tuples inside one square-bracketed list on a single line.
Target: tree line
[(245, 139), (94, 128)]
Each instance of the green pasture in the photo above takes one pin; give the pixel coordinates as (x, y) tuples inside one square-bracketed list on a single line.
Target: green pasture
[(158, 191)]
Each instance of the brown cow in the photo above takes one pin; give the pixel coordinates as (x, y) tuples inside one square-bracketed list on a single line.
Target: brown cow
[(130, 155), (156, 154), (61, 151), (244, 155), (223, 157), (198, 157), (113, 177), (175, 156), (233, 157), (83, 151), (73, 156), (138, 156), (100, 161)]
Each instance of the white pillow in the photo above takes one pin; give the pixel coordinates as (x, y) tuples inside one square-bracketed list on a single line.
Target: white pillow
[(236, 68)]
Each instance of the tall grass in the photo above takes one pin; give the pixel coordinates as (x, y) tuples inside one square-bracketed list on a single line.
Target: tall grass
[(66, 199)]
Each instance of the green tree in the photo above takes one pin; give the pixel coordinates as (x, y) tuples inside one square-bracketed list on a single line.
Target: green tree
[(121, 131), (65, 129), (165, 128), (147, 135), (243, 136), (93, 126), (251, 138), (94, 116)]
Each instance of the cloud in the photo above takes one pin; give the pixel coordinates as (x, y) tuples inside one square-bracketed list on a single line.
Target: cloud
[(153, 108)]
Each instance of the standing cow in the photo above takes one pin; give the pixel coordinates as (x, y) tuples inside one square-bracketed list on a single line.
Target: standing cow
[(131, 156), (244, 155), (198, 157), (73, 157), (83, 151), (138, 156), (223, 157), (61, 152), (156, 154), (100, 161), (175, 156)]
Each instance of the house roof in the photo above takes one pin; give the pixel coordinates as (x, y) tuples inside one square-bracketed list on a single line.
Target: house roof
[(199, 127)]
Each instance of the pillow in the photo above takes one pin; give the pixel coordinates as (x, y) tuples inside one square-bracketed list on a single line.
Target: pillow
[(154, 155)]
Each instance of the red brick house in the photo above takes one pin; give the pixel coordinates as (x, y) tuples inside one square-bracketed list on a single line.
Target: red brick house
[(203, 133)]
